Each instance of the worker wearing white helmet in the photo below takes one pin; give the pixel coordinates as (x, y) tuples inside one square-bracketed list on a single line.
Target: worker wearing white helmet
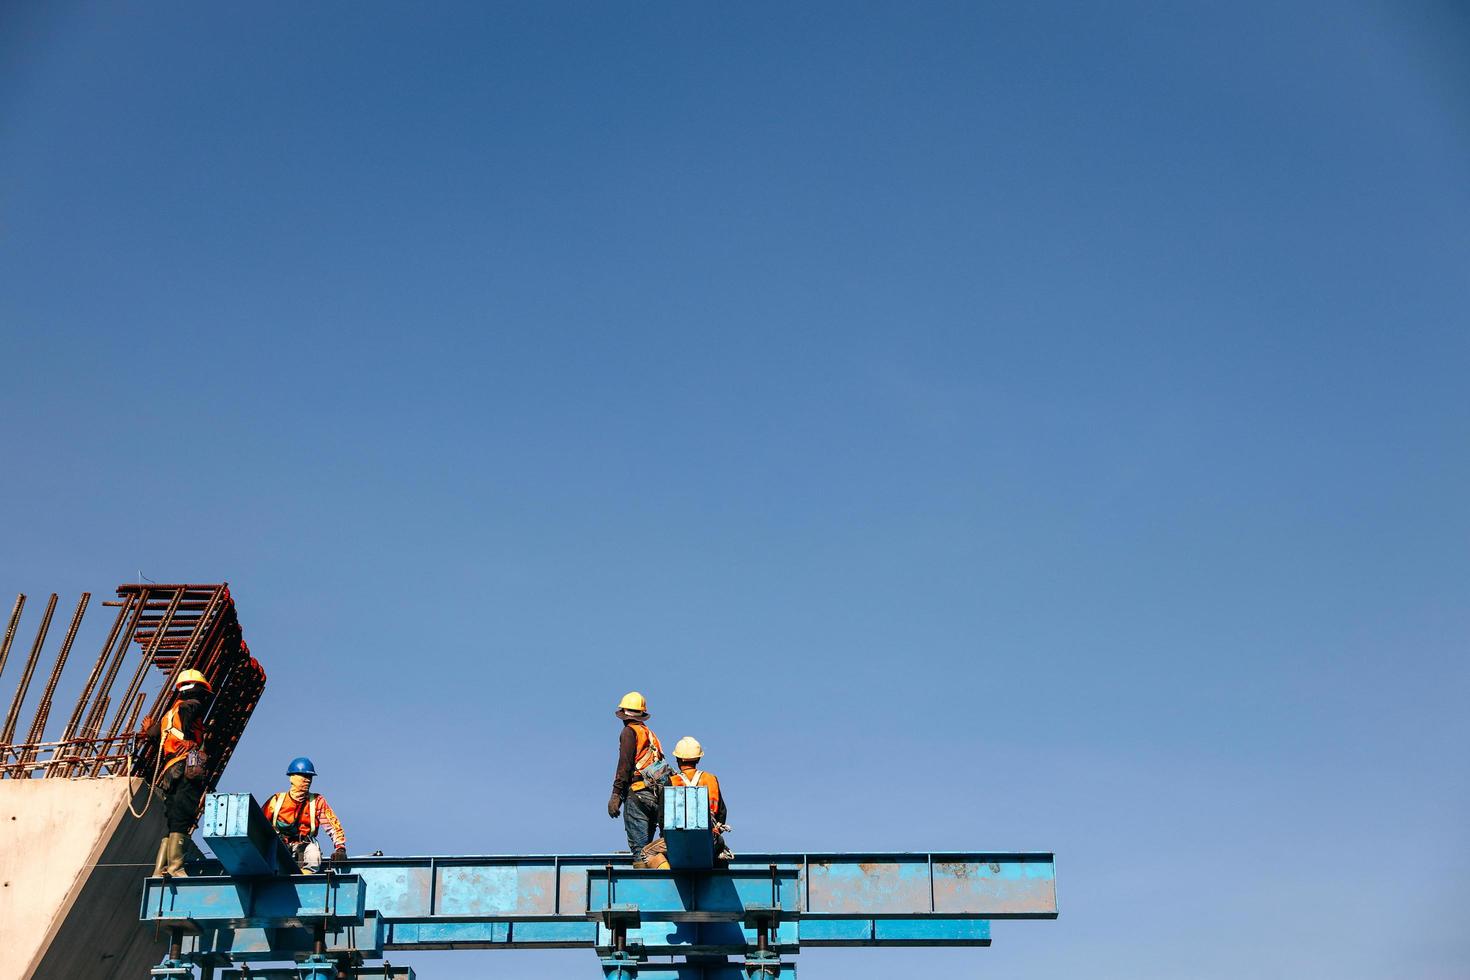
[(688, 753)]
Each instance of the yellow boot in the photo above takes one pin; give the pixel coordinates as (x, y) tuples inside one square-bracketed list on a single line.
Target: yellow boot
[(160, 863)]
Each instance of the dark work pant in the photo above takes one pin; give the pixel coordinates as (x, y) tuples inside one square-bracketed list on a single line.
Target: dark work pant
[(180, 799), (640, 820)]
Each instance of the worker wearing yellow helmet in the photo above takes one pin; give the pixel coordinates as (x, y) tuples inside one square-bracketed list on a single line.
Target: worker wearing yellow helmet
[(640, 776), (181, 762), (688, 753)]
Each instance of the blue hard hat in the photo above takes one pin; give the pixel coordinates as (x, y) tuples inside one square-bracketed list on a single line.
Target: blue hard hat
[(301, 766)]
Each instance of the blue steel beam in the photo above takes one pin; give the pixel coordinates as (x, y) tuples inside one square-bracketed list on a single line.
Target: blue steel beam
[(686, 827), (690, 971), (694, 896), (320, 971), (939, 885), (241, 838), (943, 899), (505, 903), (299, 900), (223, 945)]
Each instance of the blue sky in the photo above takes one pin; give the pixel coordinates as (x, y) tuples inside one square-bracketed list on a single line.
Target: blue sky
[(981, 427)]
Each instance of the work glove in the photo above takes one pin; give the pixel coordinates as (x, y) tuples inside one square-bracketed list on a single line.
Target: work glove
[(614, 804), (340, 854)]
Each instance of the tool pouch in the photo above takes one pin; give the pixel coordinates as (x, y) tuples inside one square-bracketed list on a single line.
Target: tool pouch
[(658, 775), (195, 763)]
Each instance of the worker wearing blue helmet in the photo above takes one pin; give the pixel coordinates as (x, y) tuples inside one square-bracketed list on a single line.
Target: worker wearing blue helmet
[(297, 815)]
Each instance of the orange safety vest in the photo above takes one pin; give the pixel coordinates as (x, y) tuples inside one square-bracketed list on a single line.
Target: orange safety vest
[(308, 826), (650, 751), (175, 738)]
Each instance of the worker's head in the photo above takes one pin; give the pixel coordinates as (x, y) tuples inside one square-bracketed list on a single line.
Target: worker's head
[(633, 707), (689, 750), (301, 770), (192, 682)]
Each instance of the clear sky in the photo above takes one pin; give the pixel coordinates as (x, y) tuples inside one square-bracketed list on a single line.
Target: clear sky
[(984, 426)]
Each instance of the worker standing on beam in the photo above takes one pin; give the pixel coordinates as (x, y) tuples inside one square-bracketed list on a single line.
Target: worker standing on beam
[(298, 813), (640, 776), (181, 767), (688, 752)]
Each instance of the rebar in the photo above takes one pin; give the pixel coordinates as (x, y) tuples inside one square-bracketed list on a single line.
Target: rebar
[(8, 733), (86, 695), (203, 629), (137, 710), (177, 628), (93, 722), (144, 663), (20, 603), (43, 710)]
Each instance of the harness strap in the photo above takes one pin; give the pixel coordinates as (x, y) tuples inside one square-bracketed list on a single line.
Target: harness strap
[(293, 832)]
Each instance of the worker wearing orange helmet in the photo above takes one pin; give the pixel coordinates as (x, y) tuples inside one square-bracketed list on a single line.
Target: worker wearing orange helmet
[(640, 776), (181, 762), (688, 753)]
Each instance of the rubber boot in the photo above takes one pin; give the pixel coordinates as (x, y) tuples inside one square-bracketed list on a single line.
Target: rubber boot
[(175, 856), (160, 863)]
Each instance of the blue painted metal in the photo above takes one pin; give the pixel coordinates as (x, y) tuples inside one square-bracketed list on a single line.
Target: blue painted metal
[(763, 905), (241, 838), (298, 900), (615, 969), (308, 971), (686, 827), (254, 944), (895, 932), (694, 896), (941, 886)]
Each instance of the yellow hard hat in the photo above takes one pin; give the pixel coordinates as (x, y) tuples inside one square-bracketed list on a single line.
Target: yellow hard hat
[(633, 701), (192, 677), (688, 748)]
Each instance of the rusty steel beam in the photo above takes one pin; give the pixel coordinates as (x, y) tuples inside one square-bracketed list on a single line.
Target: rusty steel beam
[(7, 734), (20, 603)]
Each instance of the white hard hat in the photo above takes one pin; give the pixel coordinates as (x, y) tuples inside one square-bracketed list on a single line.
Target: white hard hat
[(688, 748)]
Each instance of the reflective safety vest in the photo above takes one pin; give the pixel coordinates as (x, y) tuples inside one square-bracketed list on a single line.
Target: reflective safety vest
[(305, 826), (649, 752), (176, 741)]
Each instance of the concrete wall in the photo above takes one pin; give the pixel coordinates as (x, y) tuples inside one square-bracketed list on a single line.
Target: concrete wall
[(72, 863)]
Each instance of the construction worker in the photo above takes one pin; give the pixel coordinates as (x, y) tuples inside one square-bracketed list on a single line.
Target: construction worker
[(298, 813), (687, 753), (180, 778), (639, 777)]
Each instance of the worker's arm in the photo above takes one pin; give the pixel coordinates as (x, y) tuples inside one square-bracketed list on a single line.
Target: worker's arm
[(717, 801), (326, 818), (623, 774), (627, 753)]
